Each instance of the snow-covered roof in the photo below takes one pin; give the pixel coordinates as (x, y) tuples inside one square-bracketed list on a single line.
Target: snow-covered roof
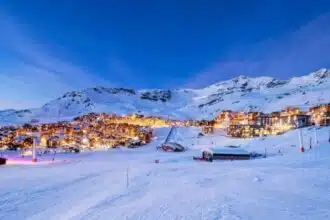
[(174, 145), (21, 137), (223, 150)]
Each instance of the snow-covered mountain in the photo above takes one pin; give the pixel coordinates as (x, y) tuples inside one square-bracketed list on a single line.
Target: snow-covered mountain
[(241, 93)]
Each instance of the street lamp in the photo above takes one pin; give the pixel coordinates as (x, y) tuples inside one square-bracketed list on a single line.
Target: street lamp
[(85, 141), (33, 135), (34, 158), (315, 135), (302, 149)]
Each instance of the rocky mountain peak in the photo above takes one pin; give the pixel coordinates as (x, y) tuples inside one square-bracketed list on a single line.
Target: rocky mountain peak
[(156, 95), (240, 79), (104, 90), (321, 74), (240, 93)]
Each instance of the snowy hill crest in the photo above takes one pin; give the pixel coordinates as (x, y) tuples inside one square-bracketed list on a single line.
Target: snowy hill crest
[(241, 93)]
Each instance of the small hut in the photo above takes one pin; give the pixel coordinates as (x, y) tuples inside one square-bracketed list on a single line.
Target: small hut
[(210, 154), (172, 147), (171, 144)]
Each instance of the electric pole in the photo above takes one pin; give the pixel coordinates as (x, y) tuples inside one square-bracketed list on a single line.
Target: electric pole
[(315, 136), (34, 158), (127, 177), (302, 149)]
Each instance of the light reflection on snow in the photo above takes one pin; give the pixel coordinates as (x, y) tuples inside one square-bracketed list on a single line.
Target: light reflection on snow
[(28, 161)]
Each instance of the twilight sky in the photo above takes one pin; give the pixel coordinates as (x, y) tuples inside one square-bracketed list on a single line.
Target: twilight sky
[(51, 47)]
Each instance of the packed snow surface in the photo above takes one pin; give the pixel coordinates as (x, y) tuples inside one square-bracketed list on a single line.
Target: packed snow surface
[(128, 184)]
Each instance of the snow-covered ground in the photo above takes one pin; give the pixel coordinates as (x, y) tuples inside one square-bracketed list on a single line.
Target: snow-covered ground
[(93, 185)]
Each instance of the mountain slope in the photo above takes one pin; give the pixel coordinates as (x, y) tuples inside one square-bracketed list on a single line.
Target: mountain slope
[(241, 93)]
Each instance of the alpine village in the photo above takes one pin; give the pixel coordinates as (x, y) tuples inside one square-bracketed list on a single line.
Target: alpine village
[(103, 131)]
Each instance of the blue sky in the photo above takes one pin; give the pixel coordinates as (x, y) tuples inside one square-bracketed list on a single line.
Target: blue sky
[(50, 47)]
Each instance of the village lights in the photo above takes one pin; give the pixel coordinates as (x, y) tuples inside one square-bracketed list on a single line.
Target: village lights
[(99, 131), (246, 125), (102, 129), (85, 140)]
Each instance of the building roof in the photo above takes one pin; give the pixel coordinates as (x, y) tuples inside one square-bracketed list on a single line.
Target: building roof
[(224, 150), (174, 145)]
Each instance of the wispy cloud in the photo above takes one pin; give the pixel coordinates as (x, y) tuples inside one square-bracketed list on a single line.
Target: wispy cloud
[(35, 75), (296, 53)]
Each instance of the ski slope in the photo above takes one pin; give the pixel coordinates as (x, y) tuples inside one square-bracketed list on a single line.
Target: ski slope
[(93, 185)]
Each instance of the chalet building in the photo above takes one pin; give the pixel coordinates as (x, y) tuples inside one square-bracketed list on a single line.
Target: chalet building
[(303, 120), (53, 142), (253, 117), (295, 117), (291, 111), (225, 114), (268, 119), (253, 124), (321, 115), (290, 117), (223, 119), (239, 118), (245, 131), (208, 129), (196, 123), (298, 121)]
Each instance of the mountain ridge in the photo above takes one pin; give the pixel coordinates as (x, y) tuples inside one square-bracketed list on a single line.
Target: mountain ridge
[(241, 93)]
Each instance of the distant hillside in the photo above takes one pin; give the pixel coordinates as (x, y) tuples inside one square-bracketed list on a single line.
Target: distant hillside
[(242, 93)]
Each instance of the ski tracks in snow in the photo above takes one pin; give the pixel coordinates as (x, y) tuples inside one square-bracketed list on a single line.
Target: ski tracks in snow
[(105, 208), (26, 198)]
